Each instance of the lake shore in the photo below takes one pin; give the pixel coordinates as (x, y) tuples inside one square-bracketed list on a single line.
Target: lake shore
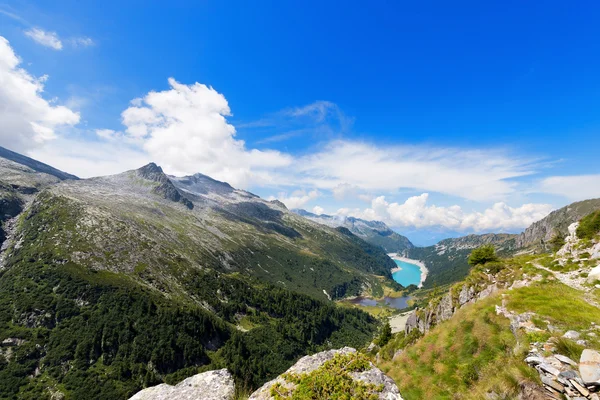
[(420, 264)]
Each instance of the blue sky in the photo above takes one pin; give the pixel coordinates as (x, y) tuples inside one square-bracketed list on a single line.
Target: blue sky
[(438, 118)]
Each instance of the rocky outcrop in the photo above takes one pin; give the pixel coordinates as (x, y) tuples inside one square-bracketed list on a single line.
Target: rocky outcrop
[(557, 222), (211, 385), (219, 385), (309, 364), (443, 309), (164, 187)]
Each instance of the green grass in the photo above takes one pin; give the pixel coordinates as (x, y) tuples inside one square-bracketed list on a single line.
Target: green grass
[(562, 305), (568, 348), (462, 358)]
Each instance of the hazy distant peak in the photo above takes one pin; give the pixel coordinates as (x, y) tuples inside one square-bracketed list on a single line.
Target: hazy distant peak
[(35, 165)]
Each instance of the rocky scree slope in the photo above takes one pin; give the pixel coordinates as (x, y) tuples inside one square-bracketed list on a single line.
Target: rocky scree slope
[(19, 184), (374, 232), (115, 283)]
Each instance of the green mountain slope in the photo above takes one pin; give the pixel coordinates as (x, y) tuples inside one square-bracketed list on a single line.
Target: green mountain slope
[(114, 283), (447, 260)]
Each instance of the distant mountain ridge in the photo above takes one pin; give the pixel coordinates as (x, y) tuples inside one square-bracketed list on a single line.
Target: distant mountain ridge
[(34, 164), (374, 232)]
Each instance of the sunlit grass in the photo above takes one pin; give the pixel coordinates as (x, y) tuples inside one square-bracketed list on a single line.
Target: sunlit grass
[(460, 358), (562, 305)]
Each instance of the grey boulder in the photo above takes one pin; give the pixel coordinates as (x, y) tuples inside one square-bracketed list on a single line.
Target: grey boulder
[(211, 385), (589, 367)]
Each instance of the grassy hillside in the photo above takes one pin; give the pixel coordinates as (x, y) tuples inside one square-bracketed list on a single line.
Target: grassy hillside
[(476, 352)]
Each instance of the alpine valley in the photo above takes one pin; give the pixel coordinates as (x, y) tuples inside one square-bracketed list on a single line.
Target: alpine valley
[(161, 287)]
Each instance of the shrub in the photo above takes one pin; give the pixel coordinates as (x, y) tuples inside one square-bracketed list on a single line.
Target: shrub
[(482, 255), (557, 241), (589, 226), (385, 335), (333, 380)]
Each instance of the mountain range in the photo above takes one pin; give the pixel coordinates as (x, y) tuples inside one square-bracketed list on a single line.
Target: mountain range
[(374, 232), (115, 283)]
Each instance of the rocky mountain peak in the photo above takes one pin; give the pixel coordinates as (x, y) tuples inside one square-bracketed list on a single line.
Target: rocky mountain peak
[(152, 172), (165, 187)]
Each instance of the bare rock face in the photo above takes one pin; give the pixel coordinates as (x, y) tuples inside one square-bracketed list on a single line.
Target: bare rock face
[(539, 233), (211, 385), (308, 364), (445, 309)]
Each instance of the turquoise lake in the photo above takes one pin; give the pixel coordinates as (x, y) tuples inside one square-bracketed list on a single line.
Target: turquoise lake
[(409, 275)]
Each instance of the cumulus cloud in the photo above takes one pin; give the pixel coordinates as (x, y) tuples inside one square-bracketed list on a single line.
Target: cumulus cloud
[(45, 38), (27, 119), (297, 199), (185, 130), (574, 187), (415, 212)]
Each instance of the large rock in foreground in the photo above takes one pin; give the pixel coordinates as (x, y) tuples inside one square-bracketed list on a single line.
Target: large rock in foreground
[(308, 364), (589, 367), (211, 385)]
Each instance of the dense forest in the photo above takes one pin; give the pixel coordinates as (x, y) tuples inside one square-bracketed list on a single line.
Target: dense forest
[(98, 336)]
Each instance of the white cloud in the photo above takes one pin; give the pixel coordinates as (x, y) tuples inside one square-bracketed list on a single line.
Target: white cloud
[(47, 39), (471, 174), (27, 119), (318, 210), (298, 199), (108, 134), (185, 130), (415, 212), (574, 187), (344, 190), (86, 159)]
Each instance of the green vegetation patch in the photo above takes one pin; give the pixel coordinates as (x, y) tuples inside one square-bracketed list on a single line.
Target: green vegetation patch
[(563, 305), (330, 381), (464, 357), (589, 226)]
